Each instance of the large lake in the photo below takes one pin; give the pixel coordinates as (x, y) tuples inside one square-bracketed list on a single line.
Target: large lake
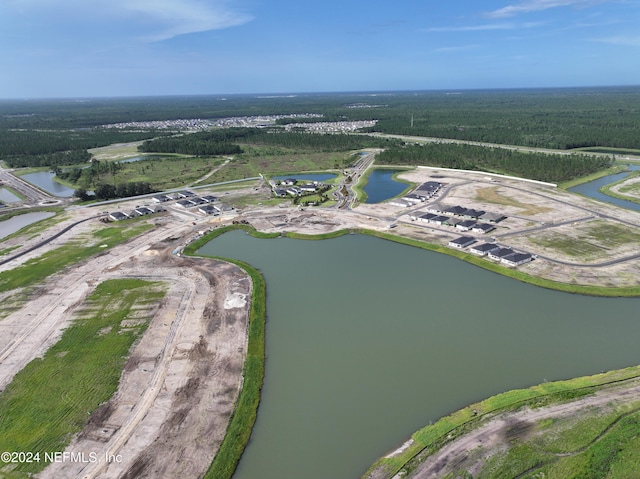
[(369, 340)]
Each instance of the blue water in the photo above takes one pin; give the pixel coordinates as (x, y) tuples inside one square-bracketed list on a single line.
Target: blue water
[(591, 190), (381, 186), (45, 181)]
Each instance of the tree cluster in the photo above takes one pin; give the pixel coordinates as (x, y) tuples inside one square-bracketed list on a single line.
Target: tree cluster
[(537, 166)]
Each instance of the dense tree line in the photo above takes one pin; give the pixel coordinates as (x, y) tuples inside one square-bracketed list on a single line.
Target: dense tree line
[(206, 143), (537, 166), (61, 158), (108, 192), (218, 142)]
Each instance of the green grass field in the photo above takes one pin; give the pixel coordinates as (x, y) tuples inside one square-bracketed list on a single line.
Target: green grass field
[(36, 270), (51, 398)]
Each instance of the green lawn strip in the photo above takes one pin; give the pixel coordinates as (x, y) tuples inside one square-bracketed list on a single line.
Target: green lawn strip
[(50, 399), (35, 270), (585, 179), (8, 250), (431, 438)]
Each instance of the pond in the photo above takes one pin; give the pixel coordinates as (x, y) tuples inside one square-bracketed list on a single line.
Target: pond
[(45, 181), (591, 188), (16, 223), (381, 186), (368, 340), (7, 196)]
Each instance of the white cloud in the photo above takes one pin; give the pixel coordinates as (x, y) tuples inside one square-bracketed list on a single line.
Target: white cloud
[(624, 40), (485, 27), (528, 6), (161, 19), (180, 17)]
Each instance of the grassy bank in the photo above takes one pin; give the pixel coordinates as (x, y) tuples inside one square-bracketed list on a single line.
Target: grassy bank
[(586, 179), (608, 189), (48, 401), (431, 438), (364, 180), (37, 269)]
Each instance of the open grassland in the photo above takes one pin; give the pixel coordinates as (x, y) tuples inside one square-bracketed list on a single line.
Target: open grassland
[(164, 173), (493, 196), (36, 270), (269, 162), (591, 446), (50, 399), (588, 435), (117, 151), (591, 240)]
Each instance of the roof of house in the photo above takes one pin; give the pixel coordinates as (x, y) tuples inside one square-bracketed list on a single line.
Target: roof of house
[(517, 257), (493, 217), (118, 215), (467, 223), (471, 213), (485, 247), (186, 194), (502, 252), (455, 210), (484, 227), (463, 240)]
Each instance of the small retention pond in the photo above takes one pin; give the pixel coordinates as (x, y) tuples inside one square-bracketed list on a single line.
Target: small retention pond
[(16, 223), (368, 340), (44, 180), (591, 188), (381, 186), (7, 196)]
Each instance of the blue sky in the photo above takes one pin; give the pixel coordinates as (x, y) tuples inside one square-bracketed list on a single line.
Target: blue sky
[(82, 48)]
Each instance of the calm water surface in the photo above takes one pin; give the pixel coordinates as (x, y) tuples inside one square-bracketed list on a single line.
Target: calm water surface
[(16, 223), (7, 196), (381, 186), (368, 341), (44, 180), (590, 189)]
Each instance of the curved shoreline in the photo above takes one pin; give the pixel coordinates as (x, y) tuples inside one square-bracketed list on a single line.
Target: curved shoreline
[(240, 427)]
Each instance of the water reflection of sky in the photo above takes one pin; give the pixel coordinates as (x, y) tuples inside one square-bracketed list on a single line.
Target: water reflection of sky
[(591, 188)]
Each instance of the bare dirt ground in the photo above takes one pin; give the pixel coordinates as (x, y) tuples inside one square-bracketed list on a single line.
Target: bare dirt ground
[(178, 389), (498, 432), (181, 382)]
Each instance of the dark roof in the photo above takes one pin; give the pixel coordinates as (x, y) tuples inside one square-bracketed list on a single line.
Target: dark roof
[(210, 198), (118, 215), (463, 240), (186, 194), (467, 223), (207, 209), (486, 247), (484, 227), (185, 203), (471, 213), (197, 201), (442, 219), (517, 257), (428, 216), (502, 252), (455, 210)]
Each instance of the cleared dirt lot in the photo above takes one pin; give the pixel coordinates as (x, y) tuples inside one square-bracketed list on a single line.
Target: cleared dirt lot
[(178, 389)]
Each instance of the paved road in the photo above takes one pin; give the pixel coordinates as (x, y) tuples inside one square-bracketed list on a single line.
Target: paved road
[(32, 194)]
